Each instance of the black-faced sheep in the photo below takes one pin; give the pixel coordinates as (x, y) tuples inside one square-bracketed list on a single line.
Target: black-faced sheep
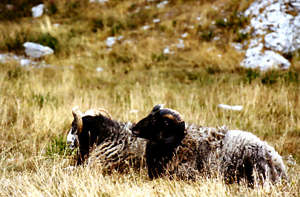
[(104, 141), (187, 151)]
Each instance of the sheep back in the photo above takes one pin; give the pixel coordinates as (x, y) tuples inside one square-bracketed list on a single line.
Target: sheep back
[(244, 155)]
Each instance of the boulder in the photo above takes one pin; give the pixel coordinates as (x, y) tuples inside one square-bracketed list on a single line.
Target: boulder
[(36, 50), (274, 30), (38, 10)]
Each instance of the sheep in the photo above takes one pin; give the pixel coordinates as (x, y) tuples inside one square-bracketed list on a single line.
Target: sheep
[(104, 141), (188, 151)]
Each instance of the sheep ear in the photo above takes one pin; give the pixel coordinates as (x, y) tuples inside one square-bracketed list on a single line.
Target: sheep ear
[(78, 118), (156, 108)]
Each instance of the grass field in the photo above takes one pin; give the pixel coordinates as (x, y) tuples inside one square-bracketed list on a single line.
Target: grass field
[(36, 103)]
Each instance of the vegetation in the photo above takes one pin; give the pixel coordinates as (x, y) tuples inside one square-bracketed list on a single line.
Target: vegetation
[(36, 102)]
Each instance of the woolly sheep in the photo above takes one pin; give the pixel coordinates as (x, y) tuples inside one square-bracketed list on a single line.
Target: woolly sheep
[(187, 151), (104, 141)]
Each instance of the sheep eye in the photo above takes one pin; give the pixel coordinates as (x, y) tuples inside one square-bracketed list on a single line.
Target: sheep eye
[(166, 123), (74, 128), (153, 122)]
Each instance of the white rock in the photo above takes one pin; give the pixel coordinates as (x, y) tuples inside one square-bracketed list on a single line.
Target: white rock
[(3, 58), (156, 20), (6, 57), (167, 51), (180, 45), (25, 62), (271, 19), (296, 39), (36, 50), (295, 4), (231, 107), (256, 42), (273, 29), (145, 27), (28, 63), (38, 10), (216, 38), (162, 4), (184, 35), (264, 60), (98, 1), (99, 69), (110, 41), (237, 46)]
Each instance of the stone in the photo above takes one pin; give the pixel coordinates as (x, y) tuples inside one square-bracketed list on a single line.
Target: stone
[(38, 10), (231, 107), (37, 50), (274, 31)]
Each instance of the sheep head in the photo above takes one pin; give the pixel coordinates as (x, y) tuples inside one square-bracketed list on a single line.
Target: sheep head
[(78, 124), (162, 125)]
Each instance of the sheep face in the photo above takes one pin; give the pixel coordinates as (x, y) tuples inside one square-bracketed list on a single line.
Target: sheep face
[(162, 125), (72, 137)]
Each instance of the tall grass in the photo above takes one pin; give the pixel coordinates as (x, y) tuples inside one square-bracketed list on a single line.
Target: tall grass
[(36, 103)]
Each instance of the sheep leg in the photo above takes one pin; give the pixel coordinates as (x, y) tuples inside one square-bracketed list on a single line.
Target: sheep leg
[(246, 171)]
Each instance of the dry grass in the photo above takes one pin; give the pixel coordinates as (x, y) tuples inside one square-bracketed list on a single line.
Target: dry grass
[(36, 103)]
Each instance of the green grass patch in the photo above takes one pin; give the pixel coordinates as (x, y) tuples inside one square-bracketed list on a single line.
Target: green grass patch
[(58, 147), (44, 99)]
